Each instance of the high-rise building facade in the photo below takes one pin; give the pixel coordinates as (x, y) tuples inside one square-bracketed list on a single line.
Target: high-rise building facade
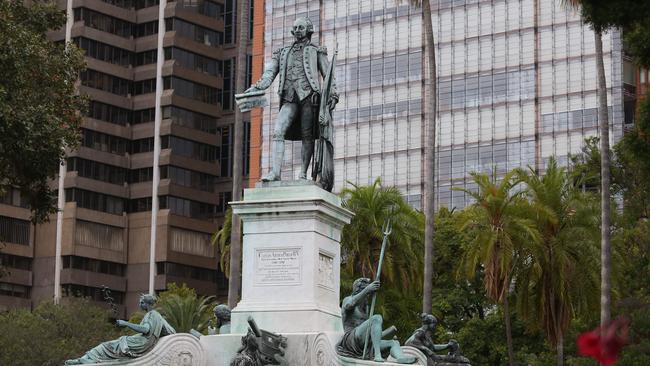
[(516, 85), (108, 185)]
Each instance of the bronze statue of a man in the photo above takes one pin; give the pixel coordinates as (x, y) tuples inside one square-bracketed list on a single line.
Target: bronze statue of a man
[(299, 66), (359, 327)]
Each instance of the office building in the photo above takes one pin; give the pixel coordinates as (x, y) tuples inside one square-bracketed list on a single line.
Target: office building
[(108, 185)]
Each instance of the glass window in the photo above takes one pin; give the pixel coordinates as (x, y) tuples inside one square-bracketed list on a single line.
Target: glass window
[(109, 83), (95, 201), (189, 89), (108, 113), (14, 230), (97, 171), (103, 22), (103, 142)]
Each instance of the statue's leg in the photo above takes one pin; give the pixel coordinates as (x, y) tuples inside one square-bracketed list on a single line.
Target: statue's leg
[(372, 326), (307, 131), (285, 116), (396, 352)]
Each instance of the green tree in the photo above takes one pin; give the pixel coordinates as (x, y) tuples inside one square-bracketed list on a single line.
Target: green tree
[(183, 309), (222, 239), (52, 333), (558, 280), (455, 301), (499, 227), (361, 239), (399, 298), (39, 110), (481, 342)]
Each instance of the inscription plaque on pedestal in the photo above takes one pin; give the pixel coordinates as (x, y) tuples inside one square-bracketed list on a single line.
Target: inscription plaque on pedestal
[(277, 266)]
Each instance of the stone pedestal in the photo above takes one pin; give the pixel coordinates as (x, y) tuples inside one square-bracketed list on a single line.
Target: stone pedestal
[(291, 258)]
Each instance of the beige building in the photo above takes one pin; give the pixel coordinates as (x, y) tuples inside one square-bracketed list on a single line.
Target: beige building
[(108, 185)]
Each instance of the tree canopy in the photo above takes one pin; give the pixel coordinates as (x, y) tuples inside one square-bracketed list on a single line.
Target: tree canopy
[(51, 334), (39, 110)]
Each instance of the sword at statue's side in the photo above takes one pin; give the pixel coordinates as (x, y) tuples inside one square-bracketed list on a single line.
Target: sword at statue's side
[(325, 128), (387, 229)]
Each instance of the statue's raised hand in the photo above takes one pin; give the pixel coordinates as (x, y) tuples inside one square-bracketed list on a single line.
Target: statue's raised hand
[(252, 89), (373, 286)]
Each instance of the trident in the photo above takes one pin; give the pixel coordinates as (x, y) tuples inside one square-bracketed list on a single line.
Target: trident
[(386, 229)]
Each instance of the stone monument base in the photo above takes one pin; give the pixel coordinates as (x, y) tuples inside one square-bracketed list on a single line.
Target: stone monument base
[(308, 349)]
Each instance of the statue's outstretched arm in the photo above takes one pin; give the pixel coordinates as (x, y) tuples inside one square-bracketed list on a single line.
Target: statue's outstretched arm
[(271, 70), (140, 328)]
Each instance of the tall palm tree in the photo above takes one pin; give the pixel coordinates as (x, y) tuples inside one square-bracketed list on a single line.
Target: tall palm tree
[(234, 280), (498, 226), (361, 239), (430, 107), (605, 229), (557, 279)]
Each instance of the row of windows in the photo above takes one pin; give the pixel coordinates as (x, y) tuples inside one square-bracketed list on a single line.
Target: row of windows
[(108, 113), (193, 61), (180, 176), (103, 22), (194, 32), (385, 70), (385, 110), (93, 265), (14, 290), (127, 29), (581, 118), (14, 230), (103, 142), (95, 201), (189, 178), (179, 116), (105, 82), (144, 86), (16, 262), (185, 271), (188, 89), (104, 52), (92, 234), (191, 242), (182, 87), (92, 293), (13, 197), (459, 162), (145, 29), (188, 208), (180, 146), (187, 118), (129, 4), (97, 171), (472, 91), (190, 149)]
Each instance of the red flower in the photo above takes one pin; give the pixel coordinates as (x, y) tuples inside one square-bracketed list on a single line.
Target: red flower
[(605, 343)]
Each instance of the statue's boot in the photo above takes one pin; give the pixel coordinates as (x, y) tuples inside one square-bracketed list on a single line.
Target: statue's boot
[(307, 153), (276, 164)]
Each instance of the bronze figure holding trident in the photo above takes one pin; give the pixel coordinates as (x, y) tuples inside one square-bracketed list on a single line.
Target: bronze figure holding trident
[(363, 329)]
